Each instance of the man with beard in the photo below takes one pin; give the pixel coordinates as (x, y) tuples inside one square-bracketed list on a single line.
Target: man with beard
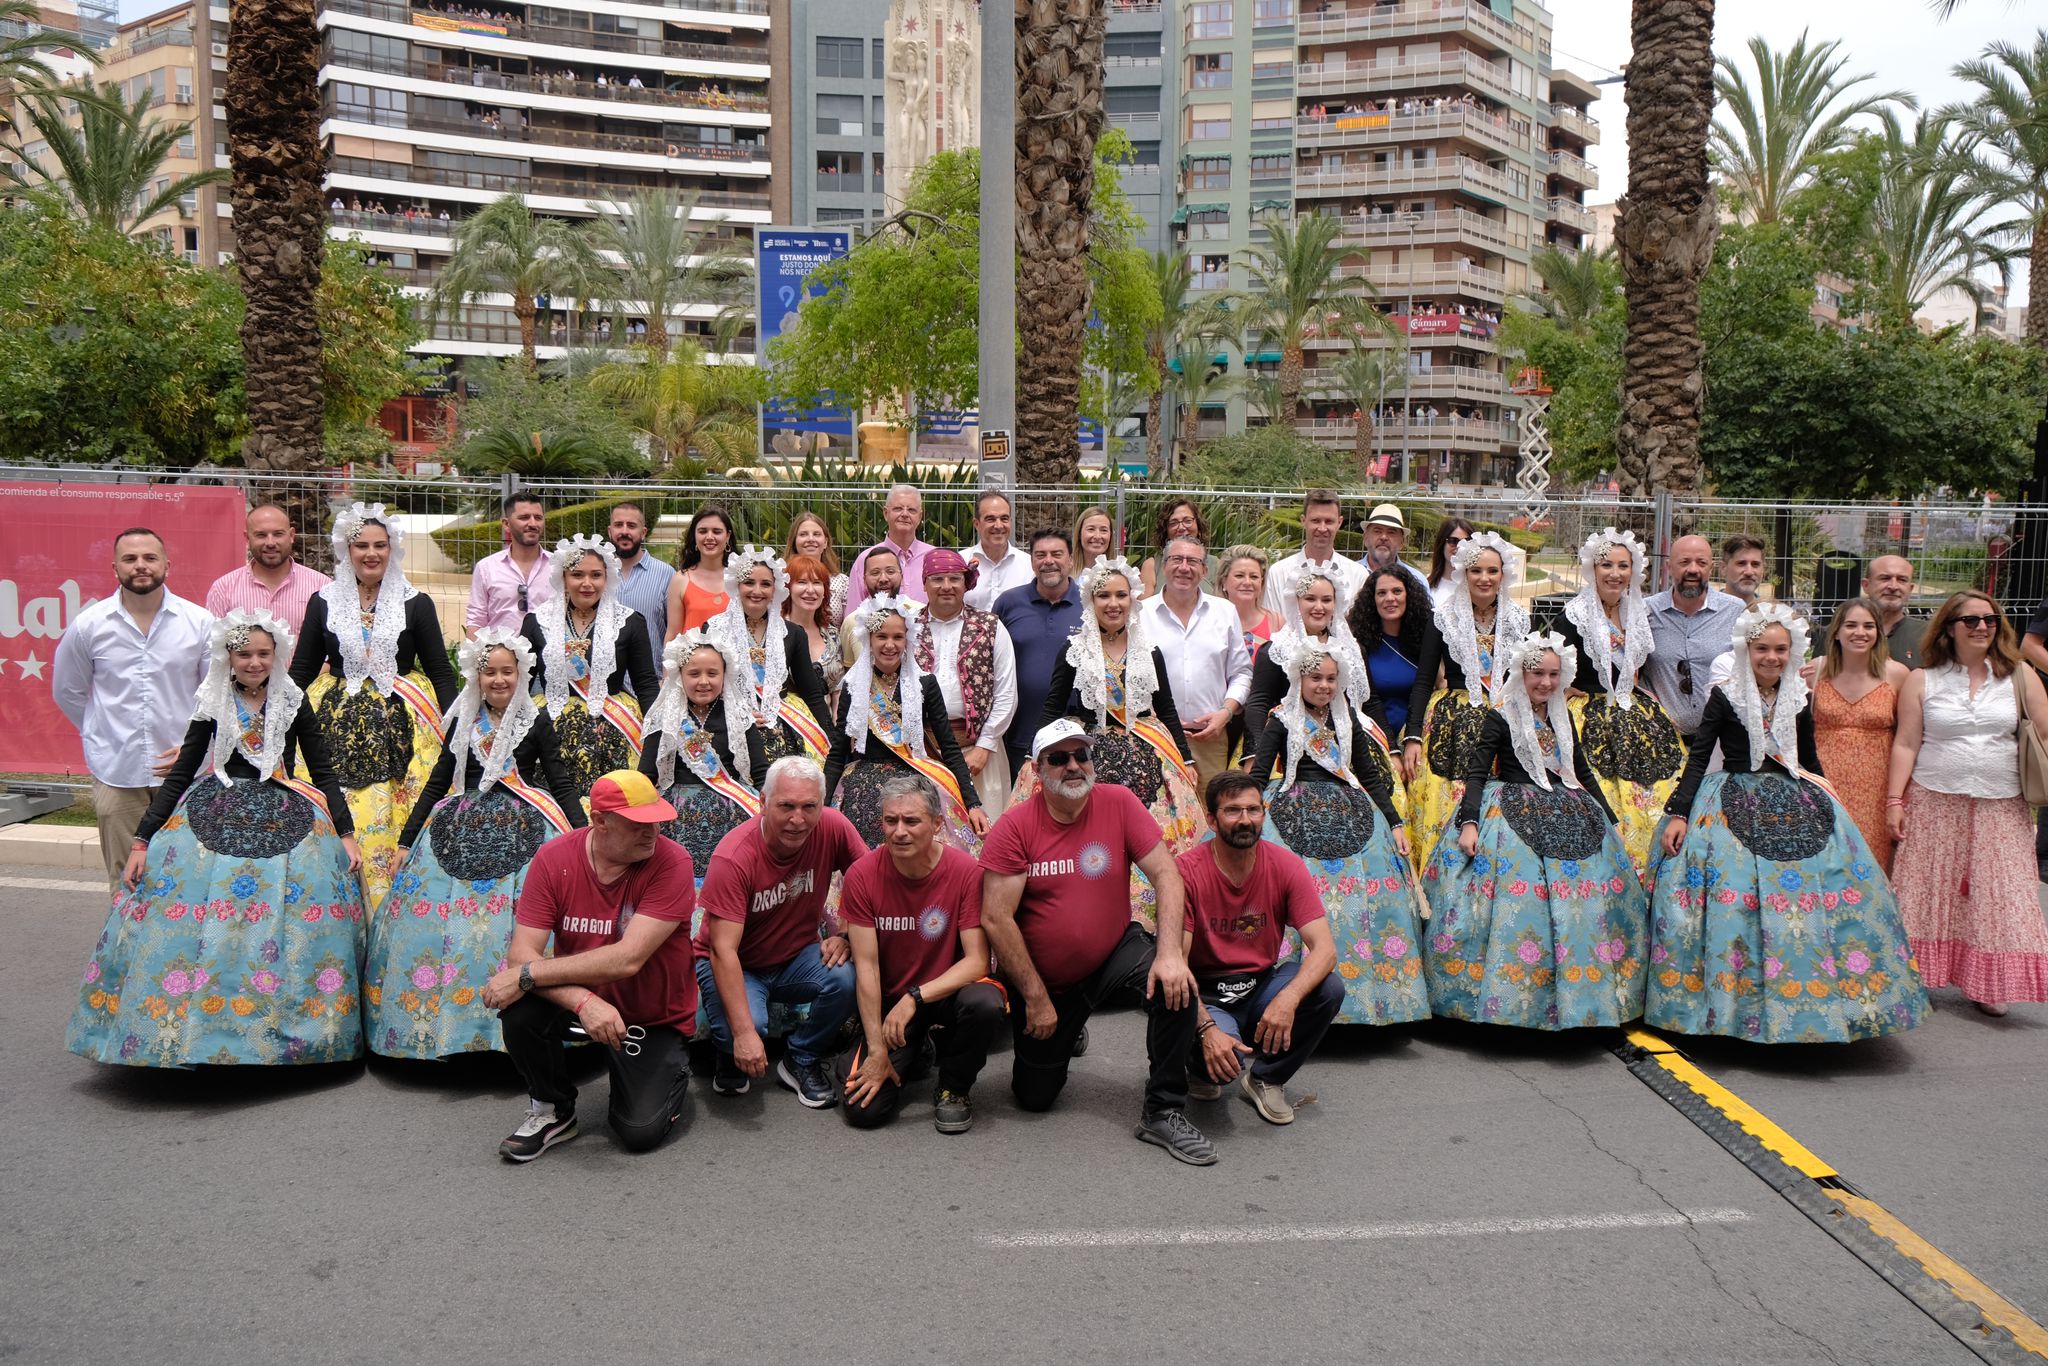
[(1243, 894), (1889, 583), (1039, 617), (1691, 624), (904, 513), (1744, 567), (1055, 900), (272, 581), (1386, 535), (505, 586), (126, 673), (643, 579)]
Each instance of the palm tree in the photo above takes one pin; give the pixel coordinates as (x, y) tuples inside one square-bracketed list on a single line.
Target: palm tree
[(686, 407), (662, 264), (1577, 285), (506, 248), (1364, 376), (24, 56), (1059, 116), (1297, 293), (1171, 271), (1923, 224), (1195, 378), (1664, 235), (102, 159), (1799, 112), (2004, 133), (542, 454)]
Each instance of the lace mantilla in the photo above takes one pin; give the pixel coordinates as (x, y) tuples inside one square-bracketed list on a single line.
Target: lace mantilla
[(1521, 711), (1456, 622), (860, 679), (1585, 611), (763, 700), (376, 658), (495, 747), (1779, 733), (216, 701), (1294, 715), (672, 707), (553, 616), (1091, 664)]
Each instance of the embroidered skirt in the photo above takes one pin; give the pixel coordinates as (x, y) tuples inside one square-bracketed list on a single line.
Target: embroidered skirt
[(239, 945), (1450, 733), (1636, 755), (1545, 926), (1775, 924), (383, 754), (1967, 890), (591, 745), (703, 818)]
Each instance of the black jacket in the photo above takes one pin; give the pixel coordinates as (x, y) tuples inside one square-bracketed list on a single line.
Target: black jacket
[(1062, 700), (1434, 656), (419, 646), (938, 731), (303, 738), (538, 761), (632, 659), (1269, 690), (1720, 725), (1272, 750), (757, 754), (1495, 758)]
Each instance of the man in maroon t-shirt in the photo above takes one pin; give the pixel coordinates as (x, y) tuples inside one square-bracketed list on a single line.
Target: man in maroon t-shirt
[(913, 914), (1056, 902), (1243, 894), (612, 896), (764, 936)]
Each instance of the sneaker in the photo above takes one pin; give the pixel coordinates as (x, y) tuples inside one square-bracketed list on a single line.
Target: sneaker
[(1993, 1009), (811, 1082), (727, 1079), (1081, 1042), (540, 1131), (1269, 1100), (1171, 1130), (952, 1111), (1201, 1088)]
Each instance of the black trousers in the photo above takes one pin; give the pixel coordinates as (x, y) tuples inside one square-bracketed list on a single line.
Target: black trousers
[(1039, 1071), (961, 1028), (648, 1087)]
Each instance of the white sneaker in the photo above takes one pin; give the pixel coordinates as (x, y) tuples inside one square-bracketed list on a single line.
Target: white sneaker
[(538, 1132)]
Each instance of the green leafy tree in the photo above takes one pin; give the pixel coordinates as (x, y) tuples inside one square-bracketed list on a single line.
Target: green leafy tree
[(102, 158), (1298, 293), (367, 328), (687, 408), (26, 47), (512, 399), (1272, 456), (2004, 132), (506, 248), (661, 264), (533, 455), (1924, 233)]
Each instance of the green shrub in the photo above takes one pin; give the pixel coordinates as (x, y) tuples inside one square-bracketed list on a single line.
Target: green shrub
[(465, 543)]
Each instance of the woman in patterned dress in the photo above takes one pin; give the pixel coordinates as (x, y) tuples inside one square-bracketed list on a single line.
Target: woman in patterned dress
[(1771, 920), (1473, 622), (239, 936), (1338, 816), (703, 751), (786, 694), (1634, 750), (583, 632), (499, 792), (387, 682), (1855, 716)]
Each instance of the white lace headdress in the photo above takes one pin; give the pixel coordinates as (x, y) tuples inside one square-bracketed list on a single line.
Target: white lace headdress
[(1294, 713), (765, 700), (377, 658), (1341, 644), (1782, 733), (1091, 665), (553, 616), (1307, 573), (665, 718), (217, 694), (1585, 611), (860, 679), (1455, 619), (1521, 712), (464, 736)]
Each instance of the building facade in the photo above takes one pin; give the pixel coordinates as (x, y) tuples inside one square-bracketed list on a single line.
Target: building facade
[(829, 125)]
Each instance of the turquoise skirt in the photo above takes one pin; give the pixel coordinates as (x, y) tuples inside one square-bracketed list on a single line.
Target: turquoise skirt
[(240, 945), (1545, 927), (1774, 922), (446, 925), (1362, 881)]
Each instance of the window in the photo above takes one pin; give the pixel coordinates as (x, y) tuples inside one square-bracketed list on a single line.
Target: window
[(368, 104), (1131, 99), (184, 85), (1209, 71), (1209, 173), (1209, 123), (876, 161), (1270, 13), (1271, 68), (841, 115), (187, 148), (840, 215), (1272, 114), (1131, 47), (1210, 20), (1144, 154), (881, 117), (1271, 168), (878, 59), (611, 23), (839, 57), (1209, 272), (1209, 225), (839, 171)]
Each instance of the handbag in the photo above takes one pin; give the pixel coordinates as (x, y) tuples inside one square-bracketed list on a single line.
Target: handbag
[(2033, 751)]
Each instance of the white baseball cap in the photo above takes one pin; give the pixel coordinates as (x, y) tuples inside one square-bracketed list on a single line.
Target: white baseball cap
[(1056, 733)]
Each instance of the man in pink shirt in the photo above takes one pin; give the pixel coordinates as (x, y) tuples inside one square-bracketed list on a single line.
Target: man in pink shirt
[(273, 580), (904, 512), (504, 587)]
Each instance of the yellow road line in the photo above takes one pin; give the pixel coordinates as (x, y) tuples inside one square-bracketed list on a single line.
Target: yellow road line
[(1996, 1308), (1747, 1117)]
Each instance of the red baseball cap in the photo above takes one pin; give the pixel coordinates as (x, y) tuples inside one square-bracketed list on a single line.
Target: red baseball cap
[(630, 793)]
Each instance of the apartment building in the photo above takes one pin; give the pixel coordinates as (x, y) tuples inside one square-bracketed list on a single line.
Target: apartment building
[(829, 123), (166, 58), (1441, 135)]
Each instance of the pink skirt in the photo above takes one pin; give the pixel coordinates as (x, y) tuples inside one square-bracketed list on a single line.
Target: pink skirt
[(1968, 890)]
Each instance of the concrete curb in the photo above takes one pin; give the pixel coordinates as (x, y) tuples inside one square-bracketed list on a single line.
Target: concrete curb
[(51, 846)]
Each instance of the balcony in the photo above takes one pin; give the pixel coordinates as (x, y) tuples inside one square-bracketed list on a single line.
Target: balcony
[(1448, 174), (1373, 20), (433, 21), (432, 226), (493, 182), (1573, 120), (1435, 277), (1574, 168), (1423, 434), (1454, 68), (1464, 382), (1569, 212), (1439, 227), (550, 331), (149, 42), (538, 139), (1376, 128), (475, 82)]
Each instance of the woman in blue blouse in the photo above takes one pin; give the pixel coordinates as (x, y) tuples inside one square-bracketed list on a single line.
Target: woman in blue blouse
[(1389, 621)]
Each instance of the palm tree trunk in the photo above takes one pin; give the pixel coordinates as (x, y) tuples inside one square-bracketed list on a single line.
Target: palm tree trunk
[(1664, 233), (1190, 428), (1155, 412), (1362, 443), (1292, 363), (273, 125), (1059, 114), (2037, 286), (528, 315), (657, 338)]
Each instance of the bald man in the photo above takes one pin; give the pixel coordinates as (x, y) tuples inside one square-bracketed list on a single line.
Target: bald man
[(1691, 623), (1889, 582)]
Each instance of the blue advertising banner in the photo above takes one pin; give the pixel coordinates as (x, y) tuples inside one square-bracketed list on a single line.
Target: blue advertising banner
[(783, 259)]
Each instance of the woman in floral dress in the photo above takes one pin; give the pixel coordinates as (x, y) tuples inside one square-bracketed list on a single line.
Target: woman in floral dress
[(786, 693), (703, 750), (584, 633)]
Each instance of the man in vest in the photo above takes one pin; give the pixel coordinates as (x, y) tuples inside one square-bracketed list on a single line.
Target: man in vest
[(968, 653)]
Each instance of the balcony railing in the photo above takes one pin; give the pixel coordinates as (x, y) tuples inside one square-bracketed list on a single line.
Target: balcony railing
[(426, 17), (1450, 173), (1576, 121), (544, 136), (497, 182), (1447, 68), (433, 225), (561, 334), (1569, 212), (479, 81), (1475, 434), (1436, 226), (1366, 128), (170, 37), (1574, 168), (1371, 19), (1437, 276)]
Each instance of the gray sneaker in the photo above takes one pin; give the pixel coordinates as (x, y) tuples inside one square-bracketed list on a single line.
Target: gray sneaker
[(1171, 1130), (1268, 1099), (952, 1111)]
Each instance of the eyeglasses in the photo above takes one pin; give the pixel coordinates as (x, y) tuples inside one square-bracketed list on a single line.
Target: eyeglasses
[(1685, 677), (1976, 622), (1062, 758), (1185, 561), (630, 1047), (522, 598)]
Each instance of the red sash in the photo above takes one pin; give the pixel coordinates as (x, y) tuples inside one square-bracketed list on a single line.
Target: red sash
[(726, 785), (798, 718), (424, 708), (615, 711), (1160, 738), (304, 789), (540, 801), (940, 775)]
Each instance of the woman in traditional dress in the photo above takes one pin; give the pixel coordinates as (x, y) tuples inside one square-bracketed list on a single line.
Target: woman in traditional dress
[(1321, 806), (703, 749), (1771, 920), (785, 691), (1540, 919), (1855, 716), (499, 792), (809, 608), (1390, 622), (388, 679), (698, 592), (809, 536), (1635, 752), (1966, 880), (582, 633), (241, 931), (893, 718), (1473, 623)]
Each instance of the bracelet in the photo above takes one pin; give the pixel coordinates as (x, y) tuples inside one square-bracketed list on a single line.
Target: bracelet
[(577, 1009), (1894, 801)]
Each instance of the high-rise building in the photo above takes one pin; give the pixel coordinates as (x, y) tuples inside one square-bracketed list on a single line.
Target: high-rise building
[(1139, 80), (166, 57), (829, 124)]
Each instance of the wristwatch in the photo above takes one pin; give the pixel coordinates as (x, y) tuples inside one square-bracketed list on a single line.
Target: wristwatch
[(916, 995), (526, 976)]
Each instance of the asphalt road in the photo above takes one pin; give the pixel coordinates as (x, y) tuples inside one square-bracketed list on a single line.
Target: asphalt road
[(1451, 1194)]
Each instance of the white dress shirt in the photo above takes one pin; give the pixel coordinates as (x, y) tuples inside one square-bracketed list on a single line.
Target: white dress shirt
[(1002, 708), (997, 576), (1206, 661), (131, 695), (1280, 585)]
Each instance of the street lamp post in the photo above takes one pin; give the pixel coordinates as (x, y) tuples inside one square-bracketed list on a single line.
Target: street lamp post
[(1414, 221)]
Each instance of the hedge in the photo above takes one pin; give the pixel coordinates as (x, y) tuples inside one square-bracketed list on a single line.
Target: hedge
[(468, 542)]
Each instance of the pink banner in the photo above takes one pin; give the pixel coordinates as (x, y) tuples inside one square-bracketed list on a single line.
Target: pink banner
[(57, 557)]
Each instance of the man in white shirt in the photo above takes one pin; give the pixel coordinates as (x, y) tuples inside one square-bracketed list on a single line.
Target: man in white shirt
[(999, 565), (969, 654), (126, 673), (1322, 513), (1208, 667)]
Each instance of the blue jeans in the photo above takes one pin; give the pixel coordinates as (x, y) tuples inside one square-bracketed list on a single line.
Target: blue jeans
[(803, 978), (1240, 1017)]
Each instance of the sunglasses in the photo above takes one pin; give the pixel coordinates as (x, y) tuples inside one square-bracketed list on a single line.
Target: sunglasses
[(1062, 758), (522, 598), (1685, 677), (1976, 622)]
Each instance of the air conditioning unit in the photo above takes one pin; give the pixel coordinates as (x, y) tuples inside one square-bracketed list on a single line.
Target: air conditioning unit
[(220, 49)]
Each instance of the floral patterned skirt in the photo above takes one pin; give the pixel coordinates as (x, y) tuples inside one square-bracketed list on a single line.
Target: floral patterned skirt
[(1636, 755), (1775, 924), (1967, 890), (592, 746), (383, 756), (1449, 735), (860, 801), (703, 818), (1364, 884), (446, 925), (239, 945), (1544, 927)]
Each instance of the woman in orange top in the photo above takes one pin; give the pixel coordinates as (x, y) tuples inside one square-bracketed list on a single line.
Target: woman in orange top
[(697, 593)]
